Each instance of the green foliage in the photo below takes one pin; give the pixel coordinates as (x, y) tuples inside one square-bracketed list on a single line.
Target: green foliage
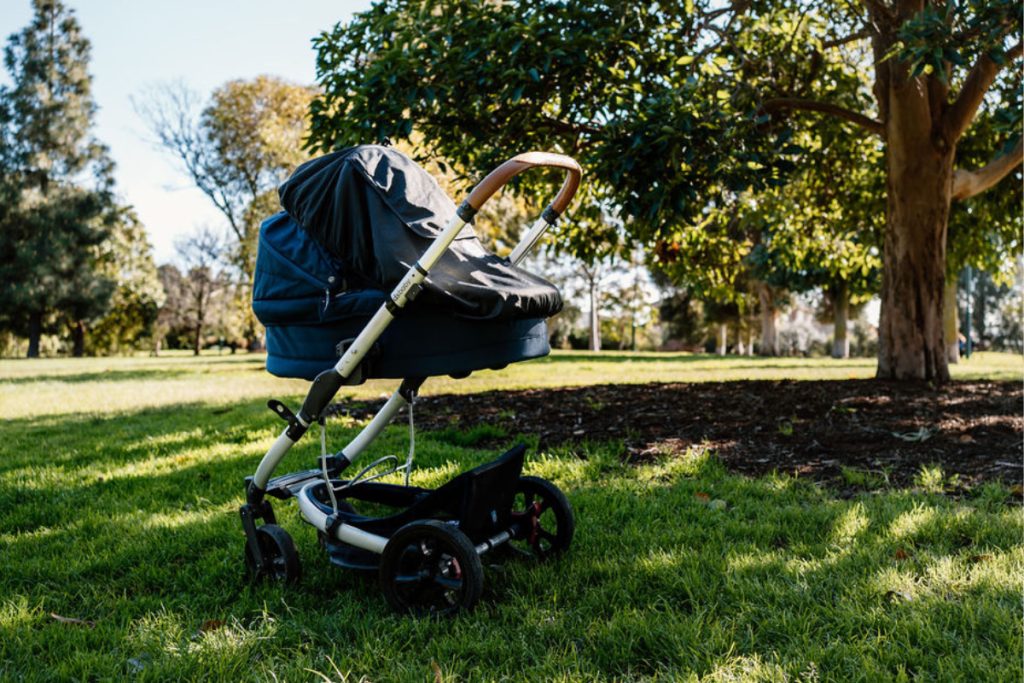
[(126, 258), (54, 217), (607, 83)]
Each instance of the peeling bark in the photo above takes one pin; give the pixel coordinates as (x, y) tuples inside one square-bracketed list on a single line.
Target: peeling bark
[(911, 337)]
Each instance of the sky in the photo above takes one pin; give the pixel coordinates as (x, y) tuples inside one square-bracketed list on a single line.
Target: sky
[(203, 43)]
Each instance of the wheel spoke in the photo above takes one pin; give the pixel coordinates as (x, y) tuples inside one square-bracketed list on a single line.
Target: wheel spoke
[(446, 583)]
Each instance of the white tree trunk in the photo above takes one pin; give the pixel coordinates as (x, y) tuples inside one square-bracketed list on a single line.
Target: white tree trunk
[(840, 342), (768, 312), (723, 339), (595, 321), (951, 321), (750, 342)]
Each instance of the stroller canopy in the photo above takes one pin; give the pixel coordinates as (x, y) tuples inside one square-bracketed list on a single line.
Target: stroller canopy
[(376, 211), (355, 221)]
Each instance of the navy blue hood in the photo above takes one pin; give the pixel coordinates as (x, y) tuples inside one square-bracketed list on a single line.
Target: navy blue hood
[(372, 212)]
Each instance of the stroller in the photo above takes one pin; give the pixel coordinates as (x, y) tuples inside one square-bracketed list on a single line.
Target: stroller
[(363, 236)]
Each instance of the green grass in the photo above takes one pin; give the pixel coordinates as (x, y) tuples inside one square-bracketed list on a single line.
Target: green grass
[(120, 481)]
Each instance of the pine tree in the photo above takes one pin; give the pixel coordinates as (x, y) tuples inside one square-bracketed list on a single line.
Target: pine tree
[(57, 199)]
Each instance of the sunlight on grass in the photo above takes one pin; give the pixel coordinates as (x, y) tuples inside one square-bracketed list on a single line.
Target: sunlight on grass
[(849, 525)]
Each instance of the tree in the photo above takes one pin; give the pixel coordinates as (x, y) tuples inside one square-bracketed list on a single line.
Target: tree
[(669, 106), (126, 258), (203, 255), (55, 216), (236, 148)]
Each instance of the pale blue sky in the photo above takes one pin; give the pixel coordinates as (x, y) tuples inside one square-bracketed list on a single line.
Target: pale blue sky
[(202, 42)]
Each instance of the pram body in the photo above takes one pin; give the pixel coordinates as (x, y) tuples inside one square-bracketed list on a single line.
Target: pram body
[(365, 231)]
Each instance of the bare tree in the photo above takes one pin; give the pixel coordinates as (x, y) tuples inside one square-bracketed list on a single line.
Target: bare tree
[(203, 256)]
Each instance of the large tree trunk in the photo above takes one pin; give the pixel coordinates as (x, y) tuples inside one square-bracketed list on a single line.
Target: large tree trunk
[(35, 331), (78, 339), (765, 295), (841, 302), (912, 342), (951, 322), (750, 342)]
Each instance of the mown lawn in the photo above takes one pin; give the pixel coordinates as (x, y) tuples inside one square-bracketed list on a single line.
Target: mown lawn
[(120, 481)]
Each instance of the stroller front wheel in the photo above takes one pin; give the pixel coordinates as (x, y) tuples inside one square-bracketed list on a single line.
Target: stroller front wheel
[(545, 516), (430, 568), (280, 555)]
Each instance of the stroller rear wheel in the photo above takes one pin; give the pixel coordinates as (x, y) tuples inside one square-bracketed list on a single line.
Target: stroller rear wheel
[(280, 555), (430, 568), (545, 512)]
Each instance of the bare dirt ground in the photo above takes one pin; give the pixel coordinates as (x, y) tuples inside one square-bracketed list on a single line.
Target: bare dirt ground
[(811, 429)]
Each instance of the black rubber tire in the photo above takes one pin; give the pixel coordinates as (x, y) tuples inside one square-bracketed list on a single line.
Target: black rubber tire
[(431, 569), (279, 552), (557, 525)]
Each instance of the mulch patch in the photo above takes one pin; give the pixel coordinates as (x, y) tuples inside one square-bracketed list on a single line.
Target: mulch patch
[(810, 429)]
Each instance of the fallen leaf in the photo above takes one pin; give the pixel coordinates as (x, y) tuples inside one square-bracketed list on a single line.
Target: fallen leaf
[(437, 672), (703, 497), (980, 558), (718, 504), (901, 554), (1017, 491), (966, 438), (210, 625), (73, 622)]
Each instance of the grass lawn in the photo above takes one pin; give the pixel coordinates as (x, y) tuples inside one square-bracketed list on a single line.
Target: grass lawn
[(120, 481)]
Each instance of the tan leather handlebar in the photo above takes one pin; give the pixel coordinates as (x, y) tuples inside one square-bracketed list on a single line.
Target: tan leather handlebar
[(497, 178)]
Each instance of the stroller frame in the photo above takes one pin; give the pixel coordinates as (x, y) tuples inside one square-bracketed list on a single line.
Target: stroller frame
[(426, 566)]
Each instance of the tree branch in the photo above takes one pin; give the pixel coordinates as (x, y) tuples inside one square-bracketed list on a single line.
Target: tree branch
[(864, 122), (980, 78), (966, 184), (837, 42)]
